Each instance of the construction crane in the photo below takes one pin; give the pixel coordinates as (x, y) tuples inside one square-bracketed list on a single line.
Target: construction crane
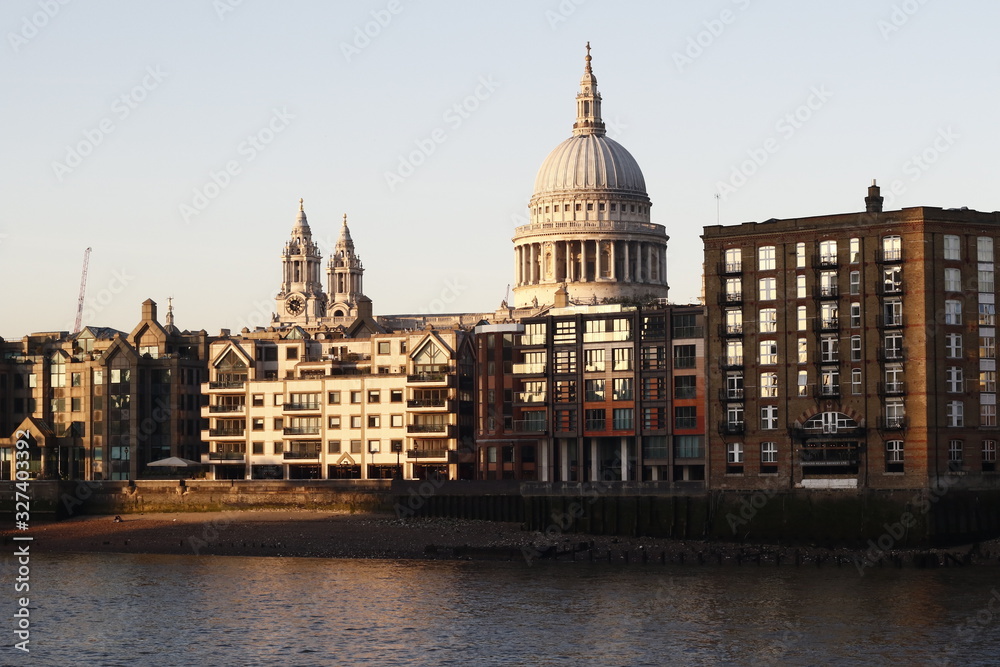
[(83, 292)]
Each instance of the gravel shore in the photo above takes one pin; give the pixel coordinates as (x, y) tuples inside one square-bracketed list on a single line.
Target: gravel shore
[(326, 534)]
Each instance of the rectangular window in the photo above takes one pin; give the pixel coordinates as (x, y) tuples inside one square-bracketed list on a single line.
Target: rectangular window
[(952, 280), (830, 382), (768, 321), (855, 250), (622, 358), (768, 385), (803, 383), (829, 349), (734, 353), (734, 452), (685, 417), (989, 455), (803, 351), (894, 456), (828, 252), (384, 347), (593, 361), (374, 446), (768, 452), (856, 387), (800, 255), (954, 380), (621, 389), (984, 249), (892, 280), (768, 352), (594, 390), (257, 448), (800, 287), (355, 446), (988, 382), (767, 290), (396, 421), (333, 421), (955, 414), (734, 289), (624, 418), (987, 347), (769, 417), (953, 346), (801, 318), (734, 385), (374, 421), (855, 315), (952, 248), (333, 397), (988, 415), (765, 258), (734, 260), (952, 312), (855, 348), (685, 386), (356, 421), (955, 452), (855, 283), (986, 278), (987, 315), (684, 356), (333, 446)]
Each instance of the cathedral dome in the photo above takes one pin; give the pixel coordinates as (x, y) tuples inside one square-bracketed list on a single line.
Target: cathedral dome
[(590, 162)]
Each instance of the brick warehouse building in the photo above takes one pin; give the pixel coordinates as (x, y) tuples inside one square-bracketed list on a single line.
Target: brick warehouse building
[(589, 393), (854, 350)]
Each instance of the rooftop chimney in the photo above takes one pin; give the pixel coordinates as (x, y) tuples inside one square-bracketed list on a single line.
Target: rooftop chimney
[(873, 202)]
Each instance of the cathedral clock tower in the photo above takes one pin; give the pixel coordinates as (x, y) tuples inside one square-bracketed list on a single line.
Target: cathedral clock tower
[(301, 299)]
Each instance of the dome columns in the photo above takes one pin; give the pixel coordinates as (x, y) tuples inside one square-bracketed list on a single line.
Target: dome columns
[(632, 261)]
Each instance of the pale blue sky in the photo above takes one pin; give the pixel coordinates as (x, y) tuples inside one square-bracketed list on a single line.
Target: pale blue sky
[(887, 95)]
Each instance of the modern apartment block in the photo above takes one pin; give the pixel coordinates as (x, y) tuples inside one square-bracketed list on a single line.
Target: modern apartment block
[(854, 350), (292, 404), (102, 404), (590, 393)]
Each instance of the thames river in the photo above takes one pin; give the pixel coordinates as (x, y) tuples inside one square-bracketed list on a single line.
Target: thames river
[(109, 609)]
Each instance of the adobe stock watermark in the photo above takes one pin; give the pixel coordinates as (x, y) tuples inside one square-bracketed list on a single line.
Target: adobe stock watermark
[(969, 631), (98, 301), (371, 30), (32, 25), (899, 17), (223, 7), (454, 117), (920, 163), (247, 151), (451, 291), (712, 30), (563, 11), (786, 127), (418, 497), (121, 108)]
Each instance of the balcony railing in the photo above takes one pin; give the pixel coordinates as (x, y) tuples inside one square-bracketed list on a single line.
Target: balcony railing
[(301, 430), (427, 403), (727, 427), (731, 330), (226, 408), (530, 397), (732, 394), (730, 268), (226, 432), (595, 424), (890, 288), (827, 291), (529, 369), (892, 388), (825, 262), (731, 298), (892, 423), (301, 407), (890, 321), (532, 339), (732, 362), (427, 428), (827, 324), (827, 391), (228, 384), (301, 455), (530, 425), (426, 453), (606, 336), (227, 456), (891, 354), (889, 256), (427, 377), (689, 332)]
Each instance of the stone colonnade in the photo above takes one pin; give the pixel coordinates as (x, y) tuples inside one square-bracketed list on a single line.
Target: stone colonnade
[(587, 260)]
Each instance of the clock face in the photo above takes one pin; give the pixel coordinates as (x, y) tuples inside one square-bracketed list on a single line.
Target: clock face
[(295, 305)]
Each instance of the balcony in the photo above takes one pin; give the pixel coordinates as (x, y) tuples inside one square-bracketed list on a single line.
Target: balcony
[(301, 407), (527, 340), (825, 391), (441, 377), (889, 256), (425, 403), (235, 409), (727, 427), (689, 332), (890, 321), (227, 432), (827, 291), (891, 354), (729, 363), (432, 430), (892, 388), (529, 397), (227, 456), (828, 358), (301, 430), (228, 384), (426, 453), (731, 298), (732, 394), (825, 262), (528, 369), (310, 454), (730, 330), (595, 424), (892, 423), (606, 336), (827, 324), (530, 425), (890, 289), (730, 268)]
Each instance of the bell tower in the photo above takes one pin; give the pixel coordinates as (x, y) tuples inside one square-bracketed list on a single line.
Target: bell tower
[(344, 274), (301, 299)]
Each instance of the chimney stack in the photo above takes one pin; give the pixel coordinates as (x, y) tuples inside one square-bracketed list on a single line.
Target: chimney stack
[(873, 202)]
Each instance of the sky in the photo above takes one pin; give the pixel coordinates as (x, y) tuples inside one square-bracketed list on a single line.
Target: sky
[(176, 138)]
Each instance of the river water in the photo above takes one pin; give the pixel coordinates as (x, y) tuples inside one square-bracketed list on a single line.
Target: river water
[(101, 609)]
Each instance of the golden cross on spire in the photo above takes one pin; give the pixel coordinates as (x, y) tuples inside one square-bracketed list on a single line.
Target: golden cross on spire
[(300, 203), (588, 58)]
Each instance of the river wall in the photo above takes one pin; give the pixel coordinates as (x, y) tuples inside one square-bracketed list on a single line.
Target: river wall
[(890, 519)]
